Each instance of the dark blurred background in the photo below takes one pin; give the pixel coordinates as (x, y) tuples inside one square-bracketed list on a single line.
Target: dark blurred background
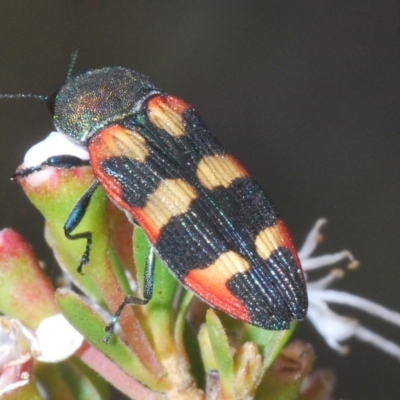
[(305, 94)]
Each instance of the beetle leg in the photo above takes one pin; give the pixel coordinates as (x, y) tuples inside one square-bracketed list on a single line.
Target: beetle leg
[(148, 283), (62, 162), (73, 220)]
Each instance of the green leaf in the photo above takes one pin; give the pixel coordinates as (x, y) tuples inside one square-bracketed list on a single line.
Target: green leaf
[(55, 198), (222, 354), (270, 342), (160, 310), (91, 326), (73, 379)]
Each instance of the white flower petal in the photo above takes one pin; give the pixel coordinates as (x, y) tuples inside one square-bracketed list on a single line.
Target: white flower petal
[(15, 341), (57, 339), (54, 145), (15, 354), (12, 386)]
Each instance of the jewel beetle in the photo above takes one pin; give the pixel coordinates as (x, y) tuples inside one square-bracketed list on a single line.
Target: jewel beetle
[(203, 214)]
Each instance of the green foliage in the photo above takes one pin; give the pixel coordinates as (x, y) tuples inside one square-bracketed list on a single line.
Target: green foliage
[(159, 348)]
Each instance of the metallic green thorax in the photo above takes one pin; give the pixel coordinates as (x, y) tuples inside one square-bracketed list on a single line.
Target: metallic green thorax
[(89, 101)]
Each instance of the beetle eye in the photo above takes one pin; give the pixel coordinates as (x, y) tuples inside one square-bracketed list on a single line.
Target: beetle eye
[(51, 101)]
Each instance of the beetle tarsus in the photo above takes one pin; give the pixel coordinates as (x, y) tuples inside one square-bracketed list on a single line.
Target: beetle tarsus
[(23, 173), (132, 300)]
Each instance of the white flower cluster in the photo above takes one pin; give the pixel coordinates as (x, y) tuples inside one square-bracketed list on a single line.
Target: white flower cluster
[(333, 327), (53, 341)]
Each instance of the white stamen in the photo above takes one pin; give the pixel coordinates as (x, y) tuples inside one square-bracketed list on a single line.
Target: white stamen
[(378, 341), (324, 282), (312, 263), (333, 327), (312, 239), (368, 306)]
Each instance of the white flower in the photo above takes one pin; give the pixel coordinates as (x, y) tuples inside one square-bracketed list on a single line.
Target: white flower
[(15, 354), (53, 341), (333, 327), (54, 144)]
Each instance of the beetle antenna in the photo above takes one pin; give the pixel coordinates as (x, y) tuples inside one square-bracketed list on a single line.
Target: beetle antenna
[(24, 96), (71, 67), (74, 57)]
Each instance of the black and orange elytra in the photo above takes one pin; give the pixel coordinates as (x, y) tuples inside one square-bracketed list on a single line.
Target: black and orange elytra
[(204, 215)]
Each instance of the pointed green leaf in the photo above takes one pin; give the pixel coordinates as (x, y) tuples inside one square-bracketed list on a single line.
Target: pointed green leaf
[(270, 342), (160, 310), (91, 326), (55, 197), (222, 353)]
